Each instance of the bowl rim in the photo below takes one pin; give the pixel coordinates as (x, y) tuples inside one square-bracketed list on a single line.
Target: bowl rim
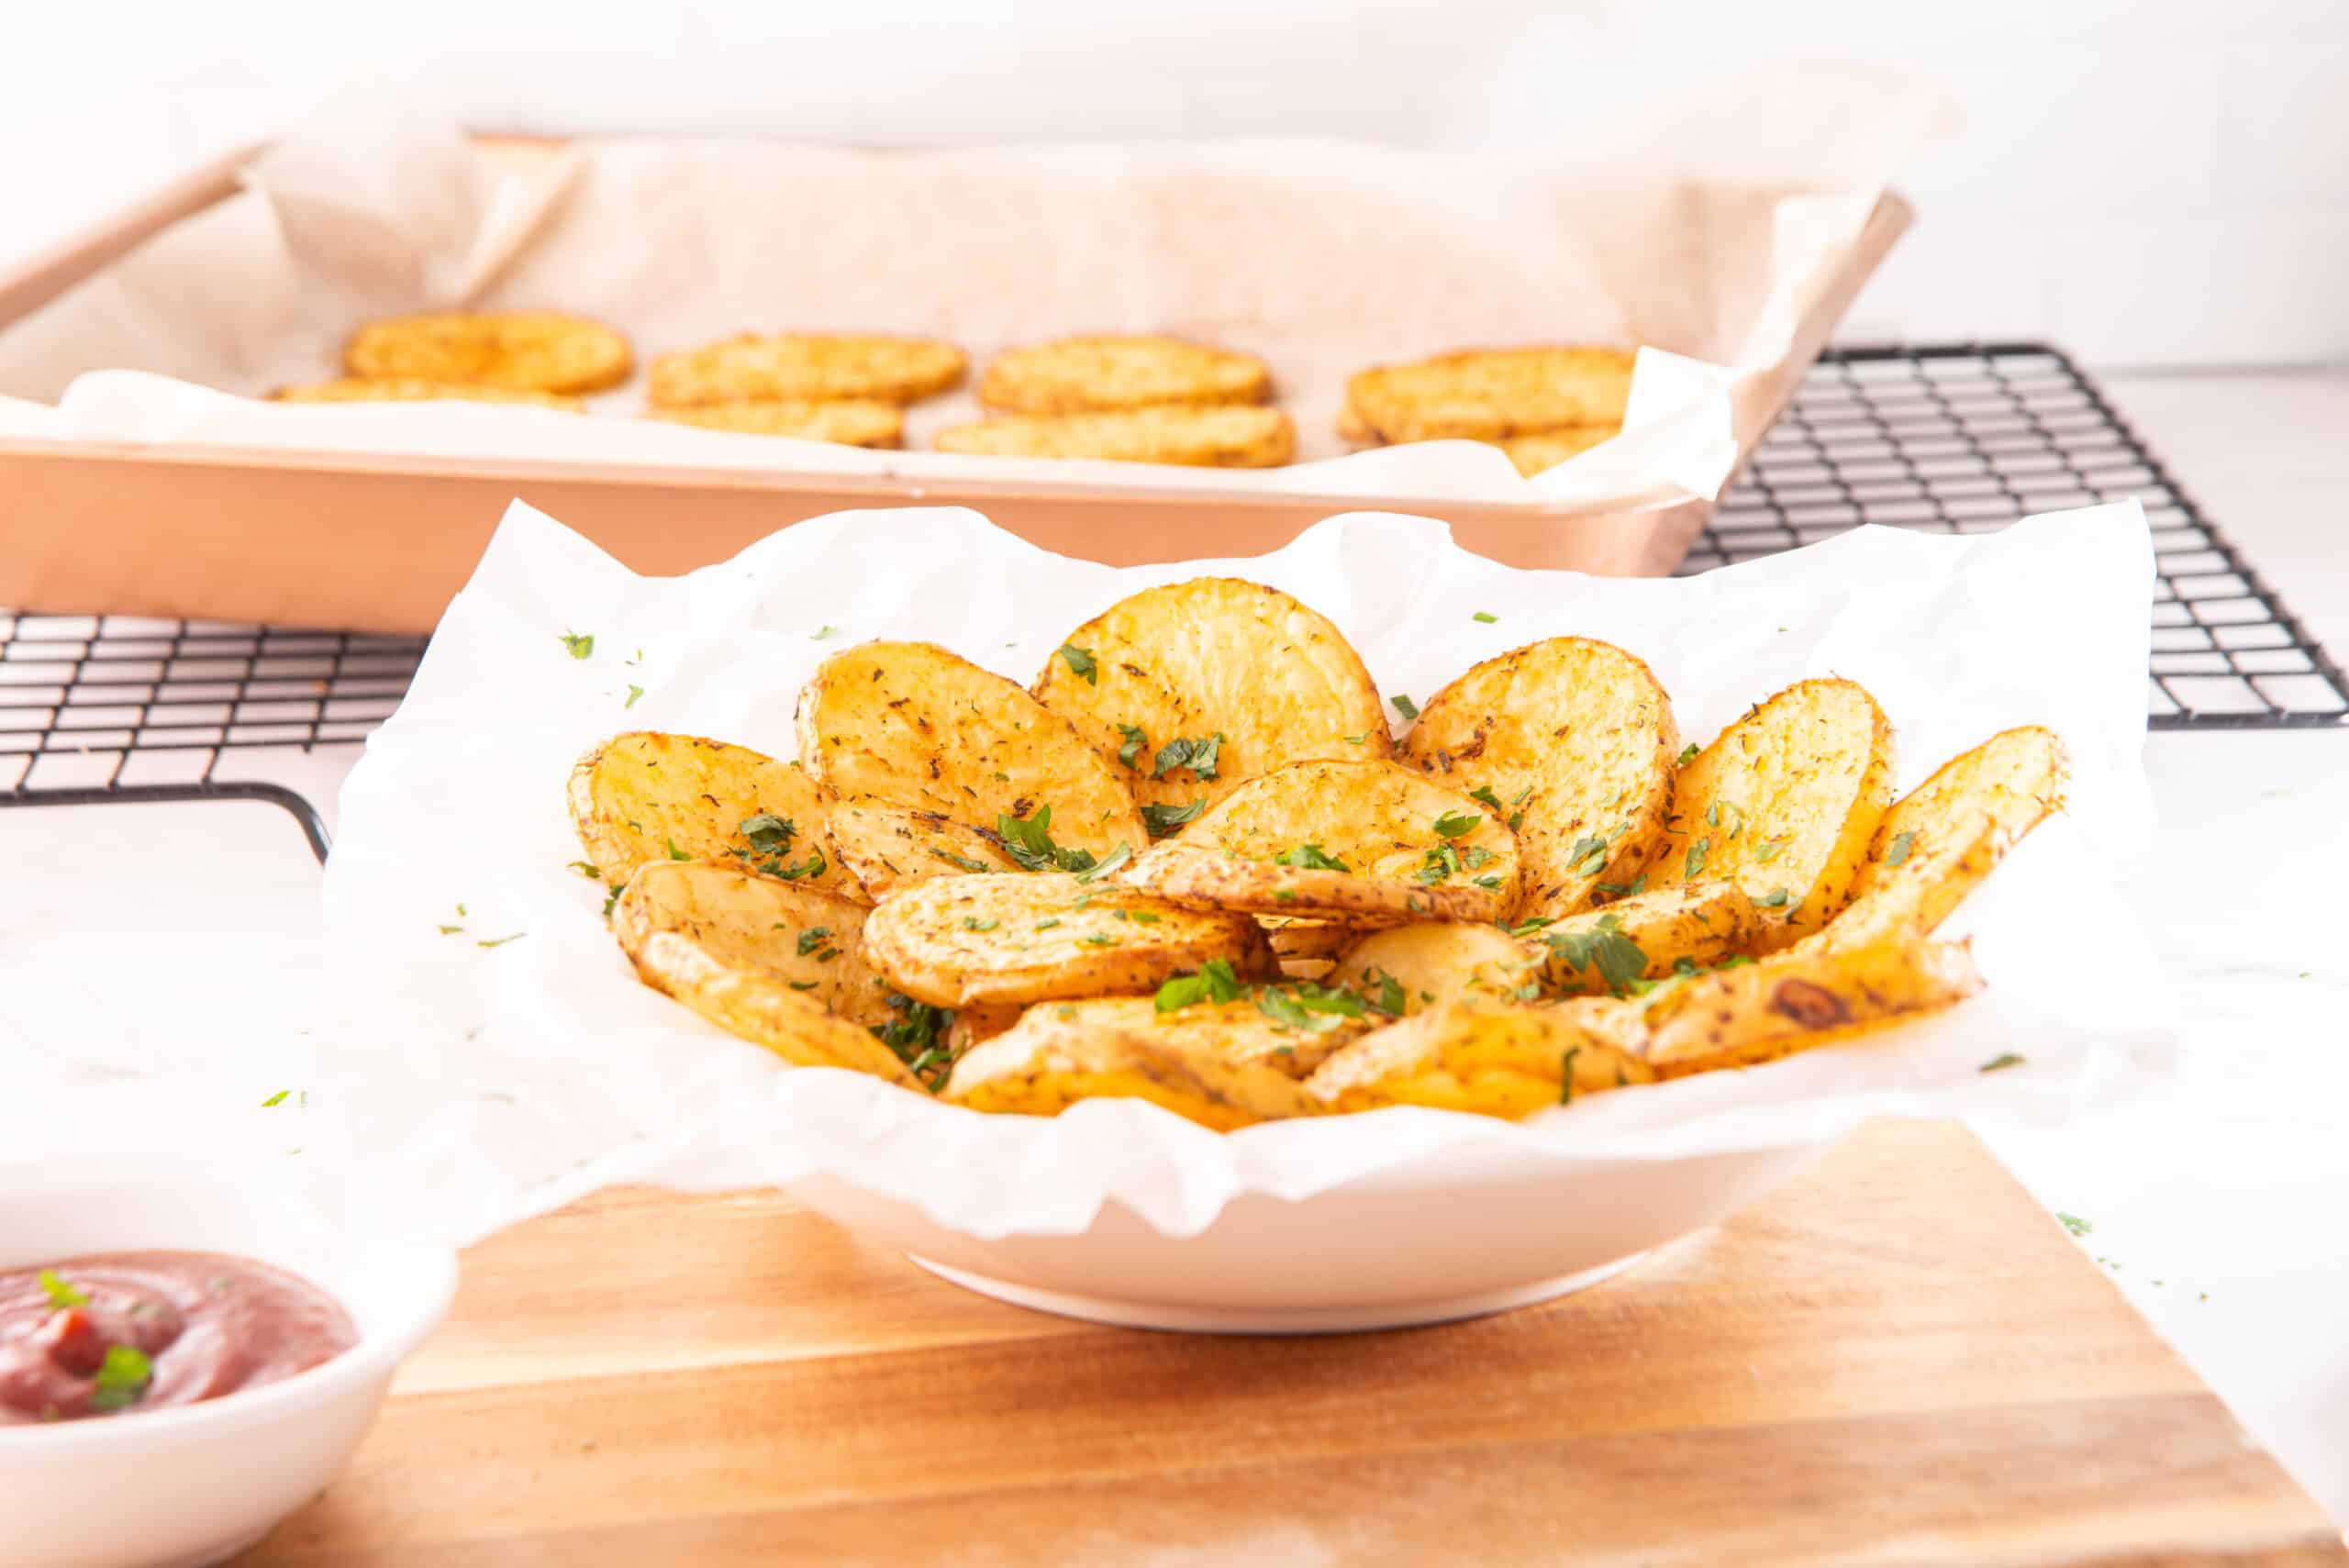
[(429, 1268)]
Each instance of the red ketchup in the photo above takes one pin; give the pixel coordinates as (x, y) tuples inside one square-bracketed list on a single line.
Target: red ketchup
[(128, 1331)]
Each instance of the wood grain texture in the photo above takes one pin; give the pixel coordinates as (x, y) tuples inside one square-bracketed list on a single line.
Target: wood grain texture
[(1899, 1358)]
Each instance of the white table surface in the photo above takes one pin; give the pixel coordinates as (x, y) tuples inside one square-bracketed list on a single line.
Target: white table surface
[(129, 933)]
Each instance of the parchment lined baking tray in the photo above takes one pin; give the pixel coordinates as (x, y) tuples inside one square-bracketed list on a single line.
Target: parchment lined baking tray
[(378, 541)]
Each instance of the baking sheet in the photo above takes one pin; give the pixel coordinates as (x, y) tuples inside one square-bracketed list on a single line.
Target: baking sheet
[(1322, 256), (516, 1061)]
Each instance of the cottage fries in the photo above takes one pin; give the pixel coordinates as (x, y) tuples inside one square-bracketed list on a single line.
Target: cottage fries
[(1192, 865)]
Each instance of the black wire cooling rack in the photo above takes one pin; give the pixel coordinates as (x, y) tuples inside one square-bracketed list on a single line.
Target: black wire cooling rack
[(1947, 440)]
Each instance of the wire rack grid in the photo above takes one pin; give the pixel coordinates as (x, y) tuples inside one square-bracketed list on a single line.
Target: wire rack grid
[(1962, 438)]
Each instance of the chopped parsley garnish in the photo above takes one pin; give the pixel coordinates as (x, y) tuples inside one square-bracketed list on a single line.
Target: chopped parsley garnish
[(1442, 862), (973, 923), (1637, 886), (1044, 925), (1687, 753), (1390, 999), (914, 1035), (813, 938), (1587, 858), (1028, 841), (1215, 982), (1199, 756), (1491, 883), (1310, 857), (813, 866), (769, 834), (1456, 824), (1405, 706), (1566, 1074), (1778, 900), (675, 853), (1899, 850), (1080, 665), (1104, 940), (1713, 815), (501, 941), (822, 632), (634, 691), (580, 645), (961, 862), (1695, 859), (1999, 1063), (1767, 851), (1528, 927), (1135, 742), (1485, 616), (1476, 857), (122, 1377), (2073, 1223), (586, 869), (1162, 820), (1617, 957), (1308, 1006), (801, 984), (1140, 917), (1357, 739), (277, 1099), (1117, 857), (1484, 793), (61, 1295)]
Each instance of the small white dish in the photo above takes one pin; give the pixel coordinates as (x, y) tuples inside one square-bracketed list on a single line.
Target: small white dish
[(196, 1483)]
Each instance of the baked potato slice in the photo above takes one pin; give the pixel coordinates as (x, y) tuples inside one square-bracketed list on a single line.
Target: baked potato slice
[(645, 797), (1071, 375), (1570, 742), (963, 941), (888, 847), (730, 946), (1407, 969), (1785, 803), (1484, 1055), (913, 724), (1329, 838), (1806, 996), (1191, 689), (2012, 780), (1203, 1067), (1648, 936), (1490, 393), (814, 366), (533, 351)]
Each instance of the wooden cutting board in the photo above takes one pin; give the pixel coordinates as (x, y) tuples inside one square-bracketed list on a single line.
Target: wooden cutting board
[(1898, 1359)]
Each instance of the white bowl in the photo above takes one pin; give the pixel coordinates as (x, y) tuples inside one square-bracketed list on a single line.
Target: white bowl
[(198, 1483)]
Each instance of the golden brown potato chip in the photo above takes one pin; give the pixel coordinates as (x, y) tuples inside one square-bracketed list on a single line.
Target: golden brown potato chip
[(1543, 449), (1075, 375), (535, 351), (1808, 997), (1648, 936), (1570, 742), (911, 723), (1785, 803), (693, 932), (962, 940), (1191, 688), (1330, 839), (645, 797), (1407, 969), (810, 942), (1199, 1067), (888, 847), (1188, 437), (852, 422), (1494, 1058), (1488, 394), (815, 366), (2015, 779), (408, 389)]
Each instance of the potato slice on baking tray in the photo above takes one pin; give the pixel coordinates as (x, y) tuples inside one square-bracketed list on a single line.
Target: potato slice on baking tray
[(960, 941), (534, 350), (812, 366), (1571, 744), (913, 724), (1072, 374), (1333, 839), (644, 796), (1190, 689)]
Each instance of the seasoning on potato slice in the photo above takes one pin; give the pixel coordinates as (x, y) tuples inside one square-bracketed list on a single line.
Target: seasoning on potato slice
[(2014, 779), (848, 421), (1192, 688), (1785, 803), (1488, 394), (960, 941), (645, 796), (815, 366), (911, 723), (1494, 1058), (706, 935), (811, 941), (535, 351), (414, 389), (1060, 1052), (1073, 375), (1407, 969), (1336, 840), (1809, 995), (1571, 744), (888, 847), (1180, 434), (1648, 936)]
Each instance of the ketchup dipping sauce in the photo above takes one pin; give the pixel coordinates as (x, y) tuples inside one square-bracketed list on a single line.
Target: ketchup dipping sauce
[(126, 1332)]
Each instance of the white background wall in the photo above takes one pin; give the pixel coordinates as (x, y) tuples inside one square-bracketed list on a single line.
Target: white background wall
[(2148, 183)]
